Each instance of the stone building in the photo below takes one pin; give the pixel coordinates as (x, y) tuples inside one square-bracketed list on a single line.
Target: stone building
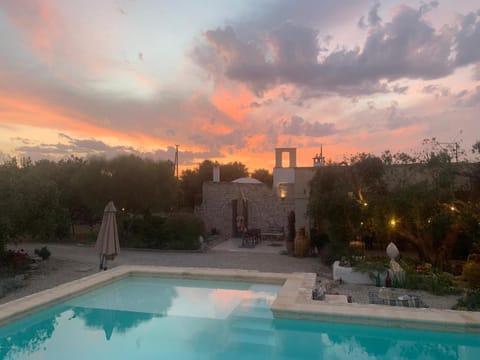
[(221, 206), (292, 183), (264, 208), (267, 208)]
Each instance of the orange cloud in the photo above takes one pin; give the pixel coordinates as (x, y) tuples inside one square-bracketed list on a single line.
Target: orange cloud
[(24, 111), (216, 129), (256, 141), (232, 100), (205, 117)]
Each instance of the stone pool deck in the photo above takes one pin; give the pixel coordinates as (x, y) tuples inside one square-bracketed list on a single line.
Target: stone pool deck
[(293, 301), (70, 262)]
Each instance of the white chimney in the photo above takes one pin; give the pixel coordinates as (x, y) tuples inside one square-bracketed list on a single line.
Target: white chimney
[(216, 173)]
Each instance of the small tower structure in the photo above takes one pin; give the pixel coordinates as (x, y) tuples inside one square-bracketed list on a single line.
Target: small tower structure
[(319, 159)]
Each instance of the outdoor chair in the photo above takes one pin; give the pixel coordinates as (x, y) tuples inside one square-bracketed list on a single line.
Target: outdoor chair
[(251, 237)]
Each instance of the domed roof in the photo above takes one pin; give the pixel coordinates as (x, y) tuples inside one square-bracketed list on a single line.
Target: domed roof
[(247, 180)]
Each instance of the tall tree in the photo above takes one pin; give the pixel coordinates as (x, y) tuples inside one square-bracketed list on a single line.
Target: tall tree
[(264, 176), (232, 171), (141, 186), (422, 204), (191, 183)]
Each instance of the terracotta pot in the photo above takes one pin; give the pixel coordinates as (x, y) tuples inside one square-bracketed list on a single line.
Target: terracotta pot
[(302, 244)]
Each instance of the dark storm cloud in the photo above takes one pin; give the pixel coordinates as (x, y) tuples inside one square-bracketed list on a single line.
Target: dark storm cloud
[(476, 72), (399, 89), (322, 14), (300, 127), (406, 47), (234, 138), (373, 19), (258, 104), (469, 98), (468, 39), (436, 90), (71, 145), (427, 6), (92, 147), (396, 119)]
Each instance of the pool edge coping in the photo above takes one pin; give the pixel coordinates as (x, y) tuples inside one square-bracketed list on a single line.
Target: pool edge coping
[(294, 299)]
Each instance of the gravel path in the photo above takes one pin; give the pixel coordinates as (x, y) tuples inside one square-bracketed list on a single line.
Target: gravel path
[(70, 262)]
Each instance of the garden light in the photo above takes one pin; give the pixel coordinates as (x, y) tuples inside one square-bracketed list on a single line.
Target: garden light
[(393, 222)]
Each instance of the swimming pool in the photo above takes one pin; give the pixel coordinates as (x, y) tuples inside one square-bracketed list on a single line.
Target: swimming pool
[(152, 318)]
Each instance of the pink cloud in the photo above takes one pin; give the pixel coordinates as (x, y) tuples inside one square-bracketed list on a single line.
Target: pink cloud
[(61, 40), (39, 22)]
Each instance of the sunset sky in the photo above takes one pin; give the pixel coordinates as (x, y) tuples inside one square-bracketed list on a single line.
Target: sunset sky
[(231, 80)]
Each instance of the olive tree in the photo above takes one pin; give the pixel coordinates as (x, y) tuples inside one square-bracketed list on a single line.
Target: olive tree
[(427, 203)]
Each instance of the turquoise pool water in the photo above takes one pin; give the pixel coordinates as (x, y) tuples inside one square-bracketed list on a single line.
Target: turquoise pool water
[(145, 318)]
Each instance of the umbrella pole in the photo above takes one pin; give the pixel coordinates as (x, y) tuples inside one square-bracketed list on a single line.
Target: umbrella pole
[(103, 261)]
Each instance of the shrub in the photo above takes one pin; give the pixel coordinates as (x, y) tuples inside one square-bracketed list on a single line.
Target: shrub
[(436, 283), (470, 301), (143, 232), (471, 273), (333, 251), (17, 260), (370, 264), (153, 232), (43, 252), (183, 230), (179, 231)]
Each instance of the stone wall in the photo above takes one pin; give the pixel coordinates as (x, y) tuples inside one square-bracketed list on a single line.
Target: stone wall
[(265, 209)]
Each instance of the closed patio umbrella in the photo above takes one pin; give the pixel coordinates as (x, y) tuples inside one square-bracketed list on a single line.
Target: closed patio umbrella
[(241, 218), (107, 244)]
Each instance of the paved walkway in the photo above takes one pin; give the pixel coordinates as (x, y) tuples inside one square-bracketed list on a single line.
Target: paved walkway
[(70, 262)]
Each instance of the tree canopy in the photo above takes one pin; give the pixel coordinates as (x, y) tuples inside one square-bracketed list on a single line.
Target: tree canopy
[(264, 176), (43, 199), (429, 202)]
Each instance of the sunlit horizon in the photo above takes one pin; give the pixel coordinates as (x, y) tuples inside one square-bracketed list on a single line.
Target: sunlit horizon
[(233, 81)]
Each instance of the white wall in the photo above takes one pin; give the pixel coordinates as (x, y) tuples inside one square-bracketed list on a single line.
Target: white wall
[(283, 175)]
